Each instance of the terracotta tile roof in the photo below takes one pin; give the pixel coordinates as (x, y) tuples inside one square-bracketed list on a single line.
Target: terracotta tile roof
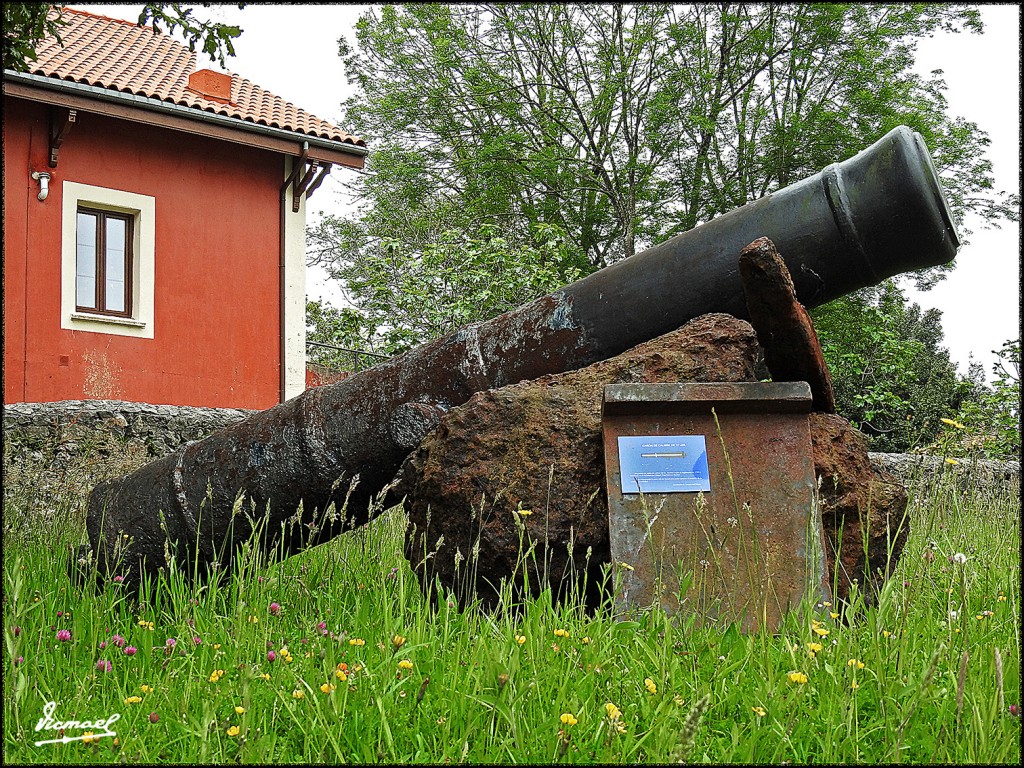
[(119, 55)]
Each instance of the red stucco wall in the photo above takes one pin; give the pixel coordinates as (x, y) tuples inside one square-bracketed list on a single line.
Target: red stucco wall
[(217, 307)]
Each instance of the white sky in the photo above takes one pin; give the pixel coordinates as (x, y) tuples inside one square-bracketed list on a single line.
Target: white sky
[(292, 51)]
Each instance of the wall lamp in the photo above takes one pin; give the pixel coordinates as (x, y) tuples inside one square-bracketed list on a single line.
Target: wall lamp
[(44, 184)]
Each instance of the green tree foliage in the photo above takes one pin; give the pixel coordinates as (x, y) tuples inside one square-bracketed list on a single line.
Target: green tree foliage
[(623, 125), (407, 298), (991, 417), (26, 25), (891, 377)]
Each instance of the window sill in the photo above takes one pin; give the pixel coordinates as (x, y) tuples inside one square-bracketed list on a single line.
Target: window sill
[(108, 319)]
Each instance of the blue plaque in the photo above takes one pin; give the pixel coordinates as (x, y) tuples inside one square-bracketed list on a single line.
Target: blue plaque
[(663, 464)]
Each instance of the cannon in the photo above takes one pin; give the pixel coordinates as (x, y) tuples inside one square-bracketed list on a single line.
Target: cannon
[(305, 470)]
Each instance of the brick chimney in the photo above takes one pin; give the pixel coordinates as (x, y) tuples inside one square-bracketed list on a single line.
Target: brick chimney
[(215, 86)]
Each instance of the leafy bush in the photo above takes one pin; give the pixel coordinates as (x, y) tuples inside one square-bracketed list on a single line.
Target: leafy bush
[(891, 377), (992, 416)]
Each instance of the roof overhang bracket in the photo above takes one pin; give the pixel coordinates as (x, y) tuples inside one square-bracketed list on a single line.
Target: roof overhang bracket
[(59, 131), (325, 168), (300, 177), (300, 186)]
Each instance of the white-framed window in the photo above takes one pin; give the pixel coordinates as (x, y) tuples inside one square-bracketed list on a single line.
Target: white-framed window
[(107, 260)]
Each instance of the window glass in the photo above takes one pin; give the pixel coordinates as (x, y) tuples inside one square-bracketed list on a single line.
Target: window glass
[(115, 263), (85, 285)]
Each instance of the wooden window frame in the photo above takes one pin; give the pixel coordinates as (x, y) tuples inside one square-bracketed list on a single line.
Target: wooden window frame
[(100, 307)]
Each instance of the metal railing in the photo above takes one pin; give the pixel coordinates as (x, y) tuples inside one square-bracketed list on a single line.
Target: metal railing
[(341, 359)]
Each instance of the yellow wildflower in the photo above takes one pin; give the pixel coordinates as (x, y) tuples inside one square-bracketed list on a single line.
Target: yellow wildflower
[(297, 694), (820, 631), (613, 712), (855, 663), (797, 677), (561, 633), (254, 619), (520, 639), (586, 640), (340, 674), (265, 675), (146, 688), (88, 738), (357, 641), (952, 423), (813, 648), (239, 710), (397, 642), (854, 685), (133, 700), (833, 615), (759, 711), (524, 512), (951, 460), (650, 685), (234, 730), (405, 664), (886, 633), (326, 688), (567, 718)]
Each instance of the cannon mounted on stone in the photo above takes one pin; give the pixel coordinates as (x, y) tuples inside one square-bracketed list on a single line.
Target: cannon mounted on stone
[(286, 471)]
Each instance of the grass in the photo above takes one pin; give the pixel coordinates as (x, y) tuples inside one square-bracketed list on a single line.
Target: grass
[(927, 675)]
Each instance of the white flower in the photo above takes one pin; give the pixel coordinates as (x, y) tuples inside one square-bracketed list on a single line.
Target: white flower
[(959, 557), (953, 614)]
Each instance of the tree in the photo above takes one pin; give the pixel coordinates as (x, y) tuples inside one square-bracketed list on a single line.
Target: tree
[(991, 417), (409, 298), (890, 376), (26, 25), (625, 125)]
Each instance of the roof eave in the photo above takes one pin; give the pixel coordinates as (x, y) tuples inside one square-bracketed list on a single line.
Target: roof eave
[(144, 109)]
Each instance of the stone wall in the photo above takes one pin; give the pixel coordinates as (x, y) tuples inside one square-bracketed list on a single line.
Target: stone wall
[(915, 469), (70, 427)]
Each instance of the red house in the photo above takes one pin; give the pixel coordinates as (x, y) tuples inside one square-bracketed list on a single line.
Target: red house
[(154, 224)]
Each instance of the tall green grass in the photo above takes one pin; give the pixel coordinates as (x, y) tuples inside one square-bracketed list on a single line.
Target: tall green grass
[(928, 674)]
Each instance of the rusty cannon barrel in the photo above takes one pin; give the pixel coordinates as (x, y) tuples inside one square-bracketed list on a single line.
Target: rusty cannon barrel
[(286, 471)]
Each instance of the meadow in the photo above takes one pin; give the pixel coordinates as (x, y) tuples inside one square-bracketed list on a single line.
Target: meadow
[(335, 655)]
